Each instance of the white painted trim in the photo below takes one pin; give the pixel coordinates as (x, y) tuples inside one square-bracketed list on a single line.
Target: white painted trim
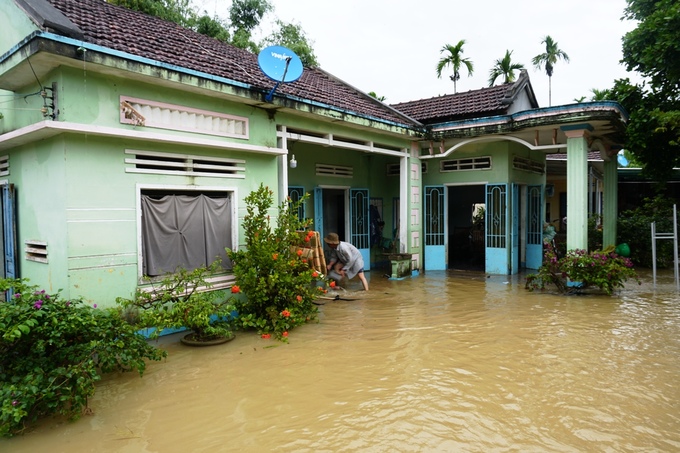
[(46, 129), (494, 138)]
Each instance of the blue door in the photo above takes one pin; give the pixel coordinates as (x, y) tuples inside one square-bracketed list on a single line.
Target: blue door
[(514, 252), (534, 227), (9, 230), (318, 211), (360, 223), (497, 229), (435, 231)]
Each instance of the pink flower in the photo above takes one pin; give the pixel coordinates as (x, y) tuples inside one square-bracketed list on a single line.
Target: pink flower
[(299, 298)]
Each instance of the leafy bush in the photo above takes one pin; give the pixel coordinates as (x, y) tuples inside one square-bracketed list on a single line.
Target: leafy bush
[(52, 352), (278, 282), (634, 228), (183, 299), (602, 269)]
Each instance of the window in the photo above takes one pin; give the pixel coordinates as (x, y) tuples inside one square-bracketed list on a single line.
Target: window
[(184, 230)]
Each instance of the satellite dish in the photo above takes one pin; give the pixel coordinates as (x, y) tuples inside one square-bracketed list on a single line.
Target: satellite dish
[(279, 64), (621, 159)]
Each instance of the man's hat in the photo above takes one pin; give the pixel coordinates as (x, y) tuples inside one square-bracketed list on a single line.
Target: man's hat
[(332, 238)]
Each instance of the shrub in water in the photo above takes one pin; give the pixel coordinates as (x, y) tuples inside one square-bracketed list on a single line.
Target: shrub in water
[(278, 283), (52, 351), (603, 269)]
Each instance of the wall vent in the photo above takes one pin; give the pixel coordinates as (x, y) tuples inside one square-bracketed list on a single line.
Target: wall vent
[(153, 162), (4, 165), (334, 170), (532, 166), (474, 163), (36, 251)]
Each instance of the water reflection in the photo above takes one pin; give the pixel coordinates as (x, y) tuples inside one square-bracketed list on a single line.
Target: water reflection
[(439, 362)]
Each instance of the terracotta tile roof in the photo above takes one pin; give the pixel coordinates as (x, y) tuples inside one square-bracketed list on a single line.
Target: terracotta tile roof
[(146, 36), (472, 104)]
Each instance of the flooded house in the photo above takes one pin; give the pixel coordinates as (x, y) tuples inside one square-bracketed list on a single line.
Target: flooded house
[(128, 145)]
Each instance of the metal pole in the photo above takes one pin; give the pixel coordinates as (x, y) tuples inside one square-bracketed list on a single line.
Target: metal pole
[(654, 252), (675, 246)]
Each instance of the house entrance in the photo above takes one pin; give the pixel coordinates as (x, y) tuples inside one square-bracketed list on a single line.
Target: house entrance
[(466, 212), (335, 212)]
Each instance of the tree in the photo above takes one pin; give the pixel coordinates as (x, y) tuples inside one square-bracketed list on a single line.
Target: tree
[(653, 132), (374, 95), (549, 59), (454, 58), (178, 11), (245, 16), (600, 95), (293, 37), (504, 67)]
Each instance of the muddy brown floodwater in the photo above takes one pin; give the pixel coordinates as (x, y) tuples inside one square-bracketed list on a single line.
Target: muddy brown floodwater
[(441, 362)]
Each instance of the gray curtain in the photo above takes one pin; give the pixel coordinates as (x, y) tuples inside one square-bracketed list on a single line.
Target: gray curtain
[(184, 231)]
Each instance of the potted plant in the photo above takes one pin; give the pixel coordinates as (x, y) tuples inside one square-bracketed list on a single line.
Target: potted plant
[(184, 300)]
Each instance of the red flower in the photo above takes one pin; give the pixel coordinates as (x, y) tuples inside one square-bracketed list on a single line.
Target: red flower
[(299, 298), (286, 313), (285, 334), (235, 289), (275, 256), (299, 252), (332, 284), (315, 274), (307, 239), (304, 260), (319, 288), (266, 336), (310, 234)]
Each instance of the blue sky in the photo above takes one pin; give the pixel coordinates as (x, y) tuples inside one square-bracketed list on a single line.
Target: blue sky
[(392, 46)]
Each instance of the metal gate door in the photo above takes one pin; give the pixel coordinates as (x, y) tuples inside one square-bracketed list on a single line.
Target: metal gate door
[(534, 226), (360, 223), (497, 229), (435, 234)]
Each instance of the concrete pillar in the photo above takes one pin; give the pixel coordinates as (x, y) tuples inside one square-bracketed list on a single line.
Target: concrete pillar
[(610, 210), (577, 185)]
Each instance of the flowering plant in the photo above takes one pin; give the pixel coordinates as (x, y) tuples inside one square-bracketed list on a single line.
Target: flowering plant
[(603, 269), (278, 282), (53, 350)]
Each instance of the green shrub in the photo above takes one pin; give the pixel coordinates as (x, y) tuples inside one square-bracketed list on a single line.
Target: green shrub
[(52, 351), (279, 284), (634, 228), (603, 269), (183, 299)]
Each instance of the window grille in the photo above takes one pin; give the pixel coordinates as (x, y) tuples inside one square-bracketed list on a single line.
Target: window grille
[(532, 166)]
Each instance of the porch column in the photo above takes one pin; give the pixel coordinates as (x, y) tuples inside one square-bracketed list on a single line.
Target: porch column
[(610, 207), (577, 185)]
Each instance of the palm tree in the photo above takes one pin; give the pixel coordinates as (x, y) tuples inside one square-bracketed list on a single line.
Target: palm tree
[(601, 95), (549, 58), (454, 58), (504, 67)]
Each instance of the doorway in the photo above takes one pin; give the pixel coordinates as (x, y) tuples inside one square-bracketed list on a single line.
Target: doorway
[(466, 235)]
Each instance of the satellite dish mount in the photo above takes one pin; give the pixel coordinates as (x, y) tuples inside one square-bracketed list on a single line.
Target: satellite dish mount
[(279, 64)]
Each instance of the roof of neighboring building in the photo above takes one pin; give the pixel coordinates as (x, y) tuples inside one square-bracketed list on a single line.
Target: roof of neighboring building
[(141, 35), (490, 101)]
